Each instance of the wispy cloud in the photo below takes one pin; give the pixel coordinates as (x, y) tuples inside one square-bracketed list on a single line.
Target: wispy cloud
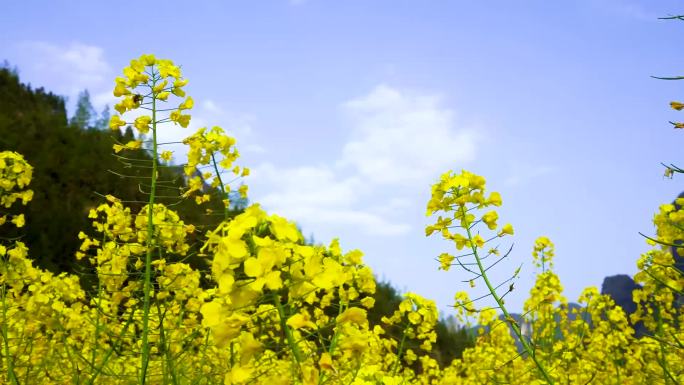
[(64, 69), (403, 137), (316, 186), (316, 196), (397, 138), (209, 113)]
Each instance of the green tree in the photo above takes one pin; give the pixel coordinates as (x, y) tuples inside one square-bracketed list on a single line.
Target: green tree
[(73, 167), (84, 115), (102, 123)]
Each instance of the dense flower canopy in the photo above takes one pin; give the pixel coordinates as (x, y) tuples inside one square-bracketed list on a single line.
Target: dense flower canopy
[(271, 308)]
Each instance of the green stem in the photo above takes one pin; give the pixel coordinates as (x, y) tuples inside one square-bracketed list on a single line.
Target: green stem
[(499, 301), (223, 189), (11, 376), (100, 369), (167, 347), (400, 350), (333, 340), (335, 337), (93, 355), (663, 354), (288, 333), (145, 359), (76, 371)]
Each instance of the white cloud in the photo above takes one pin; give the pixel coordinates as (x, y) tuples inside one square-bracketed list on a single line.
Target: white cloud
[(362, 221), (66, 69), (404, 138), (104, 98), (207, 113), (397, 139), (308, 186), (316, 196), (394, 204)]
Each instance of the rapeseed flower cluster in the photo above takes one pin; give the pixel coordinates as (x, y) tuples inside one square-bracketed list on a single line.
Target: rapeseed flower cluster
[(147, 84), (272, 309), (15, 175), (216, 150)]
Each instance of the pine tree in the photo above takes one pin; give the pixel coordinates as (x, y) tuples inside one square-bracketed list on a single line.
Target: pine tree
[(85, 113), (103, 122)]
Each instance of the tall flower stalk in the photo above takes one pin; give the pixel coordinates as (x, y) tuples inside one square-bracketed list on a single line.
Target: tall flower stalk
[(15, 175), (462, 197), (147, 85)]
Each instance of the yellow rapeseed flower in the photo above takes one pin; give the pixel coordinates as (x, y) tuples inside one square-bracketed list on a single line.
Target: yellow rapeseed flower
[(115, 123)]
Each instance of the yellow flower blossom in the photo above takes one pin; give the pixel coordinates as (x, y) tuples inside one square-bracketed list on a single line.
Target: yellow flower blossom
[(299, 321), (490, 219), (325, 362), (187, 104), (353, 314), (18, 220), (166, 155), (115, 123), (142, 123), (507, 229), (677, 105), (132, 145), (445, 260)]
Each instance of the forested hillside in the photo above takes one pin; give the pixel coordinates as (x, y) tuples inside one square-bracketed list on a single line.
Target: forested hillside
[(74, 166)]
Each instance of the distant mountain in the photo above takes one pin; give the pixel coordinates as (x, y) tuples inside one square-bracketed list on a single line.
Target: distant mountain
[(619, 288)]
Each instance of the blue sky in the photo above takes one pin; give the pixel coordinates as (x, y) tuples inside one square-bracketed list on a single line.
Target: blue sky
[(347, 111)]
